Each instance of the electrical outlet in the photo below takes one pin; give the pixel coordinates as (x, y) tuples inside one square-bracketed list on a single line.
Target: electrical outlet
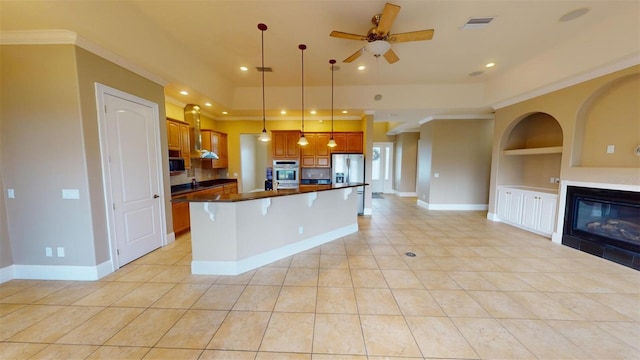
[(300, 230), (11, 194), (72, 194), (48, 251), (611, 149), (552, 180), (60, 251), (436, 175)]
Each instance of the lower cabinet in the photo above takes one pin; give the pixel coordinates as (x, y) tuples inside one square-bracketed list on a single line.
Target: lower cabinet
[(181, 221), (527, 209), (180, 210)]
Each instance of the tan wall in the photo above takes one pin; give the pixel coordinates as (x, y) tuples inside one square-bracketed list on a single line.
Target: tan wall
[(380, 132), (49, 128), (583, 111), (94, 69), (460, 153), (406, 162)]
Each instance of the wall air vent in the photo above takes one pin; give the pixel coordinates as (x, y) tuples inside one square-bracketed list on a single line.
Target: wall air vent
[(264, 69), (477, 23)]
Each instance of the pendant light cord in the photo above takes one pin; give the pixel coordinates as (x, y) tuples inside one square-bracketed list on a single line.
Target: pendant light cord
[(302, 47), (332, 62), (262, 28)]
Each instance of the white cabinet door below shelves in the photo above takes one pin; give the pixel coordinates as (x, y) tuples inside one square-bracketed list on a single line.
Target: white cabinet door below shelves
[(530, 210)]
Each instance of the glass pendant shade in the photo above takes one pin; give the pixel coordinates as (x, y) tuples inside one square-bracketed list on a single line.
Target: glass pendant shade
[(332, 143), (264, 137), (303, 140), (378, 47)]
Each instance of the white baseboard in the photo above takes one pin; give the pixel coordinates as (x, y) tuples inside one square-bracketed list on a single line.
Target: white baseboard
[(254, 262), (405, 194), (6, 274), (59, 272), (493, 217), (171, 237), (453, 207), (556, 238)]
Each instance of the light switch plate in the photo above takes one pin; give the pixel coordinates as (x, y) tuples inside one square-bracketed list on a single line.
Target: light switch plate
[(71, 194), (60, 251), (611, 149), (11, 194)]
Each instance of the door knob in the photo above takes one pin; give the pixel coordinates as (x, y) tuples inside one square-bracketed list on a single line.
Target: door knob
[(155, 196)]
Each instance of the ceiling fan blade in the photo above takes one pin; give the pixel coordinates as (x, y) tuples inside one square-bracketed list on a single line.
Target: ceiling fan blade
[(354, 56), (412, 36), (391, 56), (387, 18), (344, 35)]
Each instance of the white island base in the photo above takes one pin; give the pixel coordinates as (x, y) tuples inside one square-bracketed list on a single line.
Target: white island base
[(229, 238)]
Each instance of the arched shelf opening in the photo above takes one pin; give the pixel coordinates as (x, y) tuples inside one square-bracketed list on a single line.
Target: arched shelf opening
[(532, 152)]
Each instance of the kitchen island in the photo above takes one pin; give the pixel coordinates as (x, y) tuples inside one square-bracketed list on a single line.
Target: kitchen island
[(235, 233)]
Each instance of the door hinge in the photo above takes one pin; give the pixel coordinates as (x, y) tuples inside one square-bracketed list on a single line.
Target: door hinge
[(105, 109), (114, 206), (118, 252)]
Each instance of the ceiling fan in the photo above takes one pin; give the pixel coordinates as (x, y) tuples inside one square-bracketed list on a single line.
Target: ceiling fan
[(379, 39)]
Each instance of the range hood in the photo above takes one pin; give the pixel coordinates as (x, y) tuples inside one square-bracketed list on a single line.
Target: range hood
[(192, 116)]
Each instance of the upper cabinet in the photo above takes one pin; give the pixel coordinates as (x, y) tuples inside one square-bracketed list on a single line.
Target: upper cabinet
[(348, 142), (316, 153), (173, 134), (178, 140), (216, 142), (285, 144), (185, 145)]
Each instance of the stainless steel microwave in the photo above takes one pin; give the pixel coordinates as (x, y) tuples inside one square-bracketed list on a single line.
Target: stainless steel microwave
[(176, 164)]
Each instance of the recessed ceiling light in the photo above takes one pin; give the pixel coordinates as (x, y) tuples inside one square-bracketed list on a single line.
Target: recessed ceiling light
[(244, 68), (377, 97), (489, 65), (476, 73), (184, 92), (572, 15), (313, 112), (345, 112), (283, 112), (207, 104), (224, 113), (361, 67)]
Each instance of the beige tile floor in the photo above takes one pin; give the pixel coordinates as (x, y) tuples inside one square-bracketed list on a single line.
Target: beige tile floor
[(476, 290)]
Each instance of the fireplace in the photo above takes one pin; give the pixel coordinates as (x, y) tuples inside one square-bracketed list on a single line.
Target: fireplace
[(605, 223)]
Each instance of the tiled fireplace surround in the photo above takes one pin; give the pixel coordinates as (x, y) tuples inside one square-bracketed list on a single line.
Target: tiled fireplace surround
[(557, 236)]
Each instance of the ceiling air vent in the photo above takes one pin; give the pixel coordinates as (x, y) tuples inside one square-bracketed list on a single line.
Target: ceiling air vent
[(264, 69), (477, 23)]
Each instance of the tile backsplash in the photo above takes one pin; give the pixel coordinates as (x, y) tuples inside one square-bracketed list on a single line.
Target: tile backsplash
[(315, 173)]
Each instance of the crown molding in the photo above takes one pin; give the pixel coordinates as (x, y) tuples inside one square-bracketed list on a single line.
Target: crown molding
[(66, 37), (457, 117), (622, 64)]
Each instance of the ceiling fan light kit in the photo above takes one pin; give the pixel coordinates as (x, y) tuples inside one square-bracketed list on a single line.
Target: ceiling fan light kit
[(379, 39)]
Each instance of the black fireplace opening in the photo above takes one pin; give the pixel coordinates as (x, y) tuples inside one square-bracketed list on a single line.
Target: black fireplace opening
[(605, 223)]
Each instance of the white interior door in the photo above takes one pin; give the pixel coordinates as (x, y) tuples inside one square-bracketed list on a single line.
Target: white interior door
[(382, 165), (133, 176)]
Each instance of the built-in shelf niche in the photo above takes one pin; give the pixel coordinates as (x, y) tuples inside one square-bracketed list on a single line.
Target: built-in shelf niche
[(532, 153)]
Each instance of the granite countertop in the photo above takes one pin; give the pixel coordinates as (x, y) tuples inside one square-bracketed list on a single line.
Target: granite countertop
[(230, 198), (183, 189)]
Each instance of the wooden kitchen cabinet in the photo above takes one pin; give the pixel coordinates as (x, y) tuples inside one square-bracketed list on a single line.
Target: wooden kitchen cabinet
[(231, 188), (185, 145), (173, 134), (285, 144), (316, 154), (348, 142), (181, 217), (217, 142), (354, 142)]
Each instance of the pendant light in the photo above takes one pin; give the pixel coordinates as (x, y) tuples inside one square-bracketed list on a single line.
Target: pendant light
[(303, 140), (332, 143), (264, 137)]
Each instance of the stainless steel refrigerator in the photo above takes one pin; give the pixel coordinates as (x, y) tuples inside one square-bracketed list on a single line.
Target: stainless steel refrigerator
[(349, 168)]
